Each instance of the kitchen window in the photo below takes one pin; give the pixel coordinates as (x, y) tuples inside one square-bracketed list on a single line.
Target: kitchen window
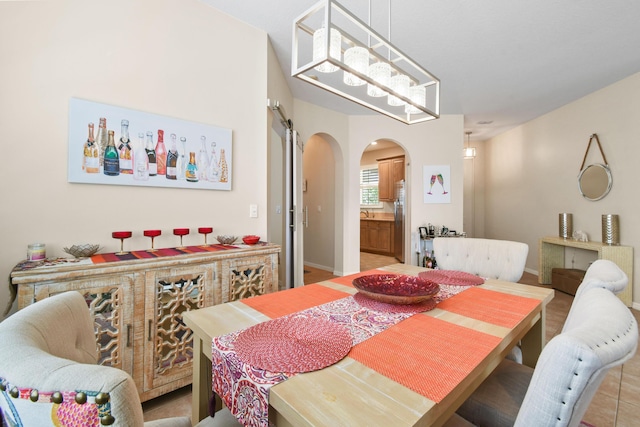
[(369, 187)]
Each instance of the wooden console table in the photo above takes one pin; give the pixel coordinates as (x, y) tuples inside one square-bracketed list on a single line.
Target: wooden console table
[(551, 255), (137, 304)]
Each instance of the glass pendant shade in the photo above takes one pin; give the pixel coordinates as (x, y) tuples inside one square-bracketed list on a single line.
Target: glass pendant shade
[(319, 45), (418, 95), (381, 73), (357, 58), (469, 152), (400, 84)]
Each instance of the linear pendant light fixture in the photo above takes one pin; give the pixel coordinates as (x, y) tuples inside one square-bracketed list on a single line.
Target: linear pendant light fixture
[(357, 63)]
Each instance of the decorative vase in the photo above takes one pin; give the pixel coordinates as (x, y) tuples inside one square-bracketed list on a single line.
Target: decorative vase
[(610, 229), (565, 229)]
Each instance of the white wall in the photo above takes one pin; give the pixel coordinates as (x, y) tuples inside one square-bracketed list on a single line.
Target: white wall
[(531, 173), (166, 57)]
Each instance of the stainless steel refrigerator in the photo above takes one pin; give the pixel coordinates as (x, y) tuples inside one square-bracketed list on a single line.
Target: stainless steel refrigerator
[(398, 223)]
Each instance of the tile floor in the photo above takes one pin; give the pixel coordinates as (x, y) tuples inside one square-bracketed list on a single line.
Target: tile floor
[(616, 404)]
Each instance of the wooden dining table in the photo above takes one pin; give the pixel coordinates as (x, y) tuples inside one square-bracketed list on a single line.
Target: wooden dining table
[(353, 392)]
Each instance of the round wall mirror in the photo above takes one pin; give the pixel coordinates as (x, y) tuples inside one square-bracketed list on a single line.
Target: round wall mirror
[(595, 181)]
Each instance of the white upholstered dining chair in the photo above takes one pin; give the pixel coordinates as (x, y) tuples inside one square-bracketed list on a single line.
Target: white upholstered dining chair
[(570, 369), (489, 258), (49, 376), (606, 274)]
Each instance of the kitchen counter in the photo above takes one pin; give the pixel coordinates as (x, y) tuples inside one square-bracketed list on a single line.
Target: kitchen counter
[(378, 216)]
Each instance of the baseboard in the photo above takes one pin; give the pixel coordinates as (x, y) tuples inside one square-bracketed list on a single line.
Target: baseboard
[(531, 271), (318, 266)]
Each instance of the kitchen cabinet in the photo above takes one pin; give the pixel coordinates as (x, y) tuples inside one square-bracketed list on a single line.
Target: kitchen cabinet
[(137, 304), (376, 236), (390, 171)]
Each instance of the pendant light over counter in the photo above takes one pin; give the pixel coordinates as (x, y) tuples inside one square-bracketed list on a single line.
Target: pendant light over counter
[(469, 152), (375, 74)]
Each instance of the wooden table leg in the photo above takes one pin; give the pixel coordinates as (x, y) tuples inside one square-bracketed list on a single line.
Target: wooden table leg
[(201, 386), (533, 342)]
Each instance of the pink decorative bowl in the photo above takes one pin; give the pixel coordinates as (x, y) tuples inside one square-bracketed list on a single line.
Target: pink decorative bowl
[(251, 239), (396, 288)]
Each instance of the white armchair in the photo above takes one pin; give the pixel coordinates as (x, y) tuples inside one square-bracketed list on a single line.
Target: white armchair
[(569, 371), (494, 259), (49, 376)]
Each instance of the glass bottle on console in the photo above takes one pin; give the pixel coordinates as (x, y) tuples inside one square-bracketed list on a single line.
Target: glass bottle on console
[(172, 159), (203, 159), (111, 157), (90, 159), (224, 169), (181, 166), (151, 155), (140, 160), (102, 139), (192, 168), (161, 153), (124, 149)]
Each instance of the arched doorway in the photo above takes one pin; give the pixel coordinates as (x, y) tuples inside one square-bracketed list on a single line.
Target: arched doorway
[(383, 229), (323, 195)]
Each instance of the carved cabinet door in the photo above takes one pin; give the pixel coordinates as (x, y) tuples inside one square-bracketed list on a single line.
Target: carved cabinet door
[(167, 341), (110, 301), (248, 277)]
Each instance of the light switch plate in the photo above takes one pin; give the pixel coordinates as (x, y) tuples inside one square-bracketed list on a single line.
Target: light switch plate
[(253, 211)]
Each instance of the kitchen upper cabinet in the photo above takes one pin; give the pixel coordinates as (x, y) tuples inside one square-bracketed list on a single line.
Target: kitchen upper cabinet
[(390, 171)]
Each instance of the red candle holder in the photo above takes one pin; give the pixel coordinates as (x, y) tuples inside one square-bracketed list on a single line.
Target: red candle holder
[(121, 235), (205, 231), (181, 232), (153, 234)]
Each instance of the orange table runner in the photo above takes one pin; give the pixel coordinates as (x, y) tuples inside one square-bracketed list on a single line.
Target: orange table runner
[(490, 306), (425, 354), (281, 303)]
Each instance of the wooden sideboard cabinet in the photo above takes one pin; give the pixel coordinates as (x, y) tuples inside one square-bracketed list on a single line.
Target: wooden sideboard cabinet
[(551, 255), (137, 304)]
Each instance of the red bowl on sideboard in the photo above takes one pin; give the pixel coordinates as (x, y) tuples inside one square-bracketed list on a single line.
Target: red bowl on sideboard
[(251, 239)]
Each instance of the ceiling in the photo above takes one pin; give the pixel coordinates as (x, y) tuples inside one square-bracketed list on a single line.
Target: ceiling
[(500, 62)]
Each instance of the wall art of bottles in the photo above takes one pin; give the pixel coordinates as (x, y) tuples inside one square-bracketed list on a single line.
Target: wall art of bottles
[(120, 146)]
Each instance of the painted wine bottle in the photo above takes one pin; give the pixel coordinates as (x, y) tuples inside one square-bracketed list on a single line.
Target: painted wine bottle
[(124, 149), (151, 155), (140, 160), (91, 161), (161, 153), (192, 168), (111, 157), (172, 159)]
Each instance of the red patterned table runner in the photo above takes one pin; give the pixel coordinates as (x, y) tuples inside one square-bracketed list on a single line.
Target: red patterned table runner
[(425, 354), (490, 306), (158, 253), (245, 388)]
